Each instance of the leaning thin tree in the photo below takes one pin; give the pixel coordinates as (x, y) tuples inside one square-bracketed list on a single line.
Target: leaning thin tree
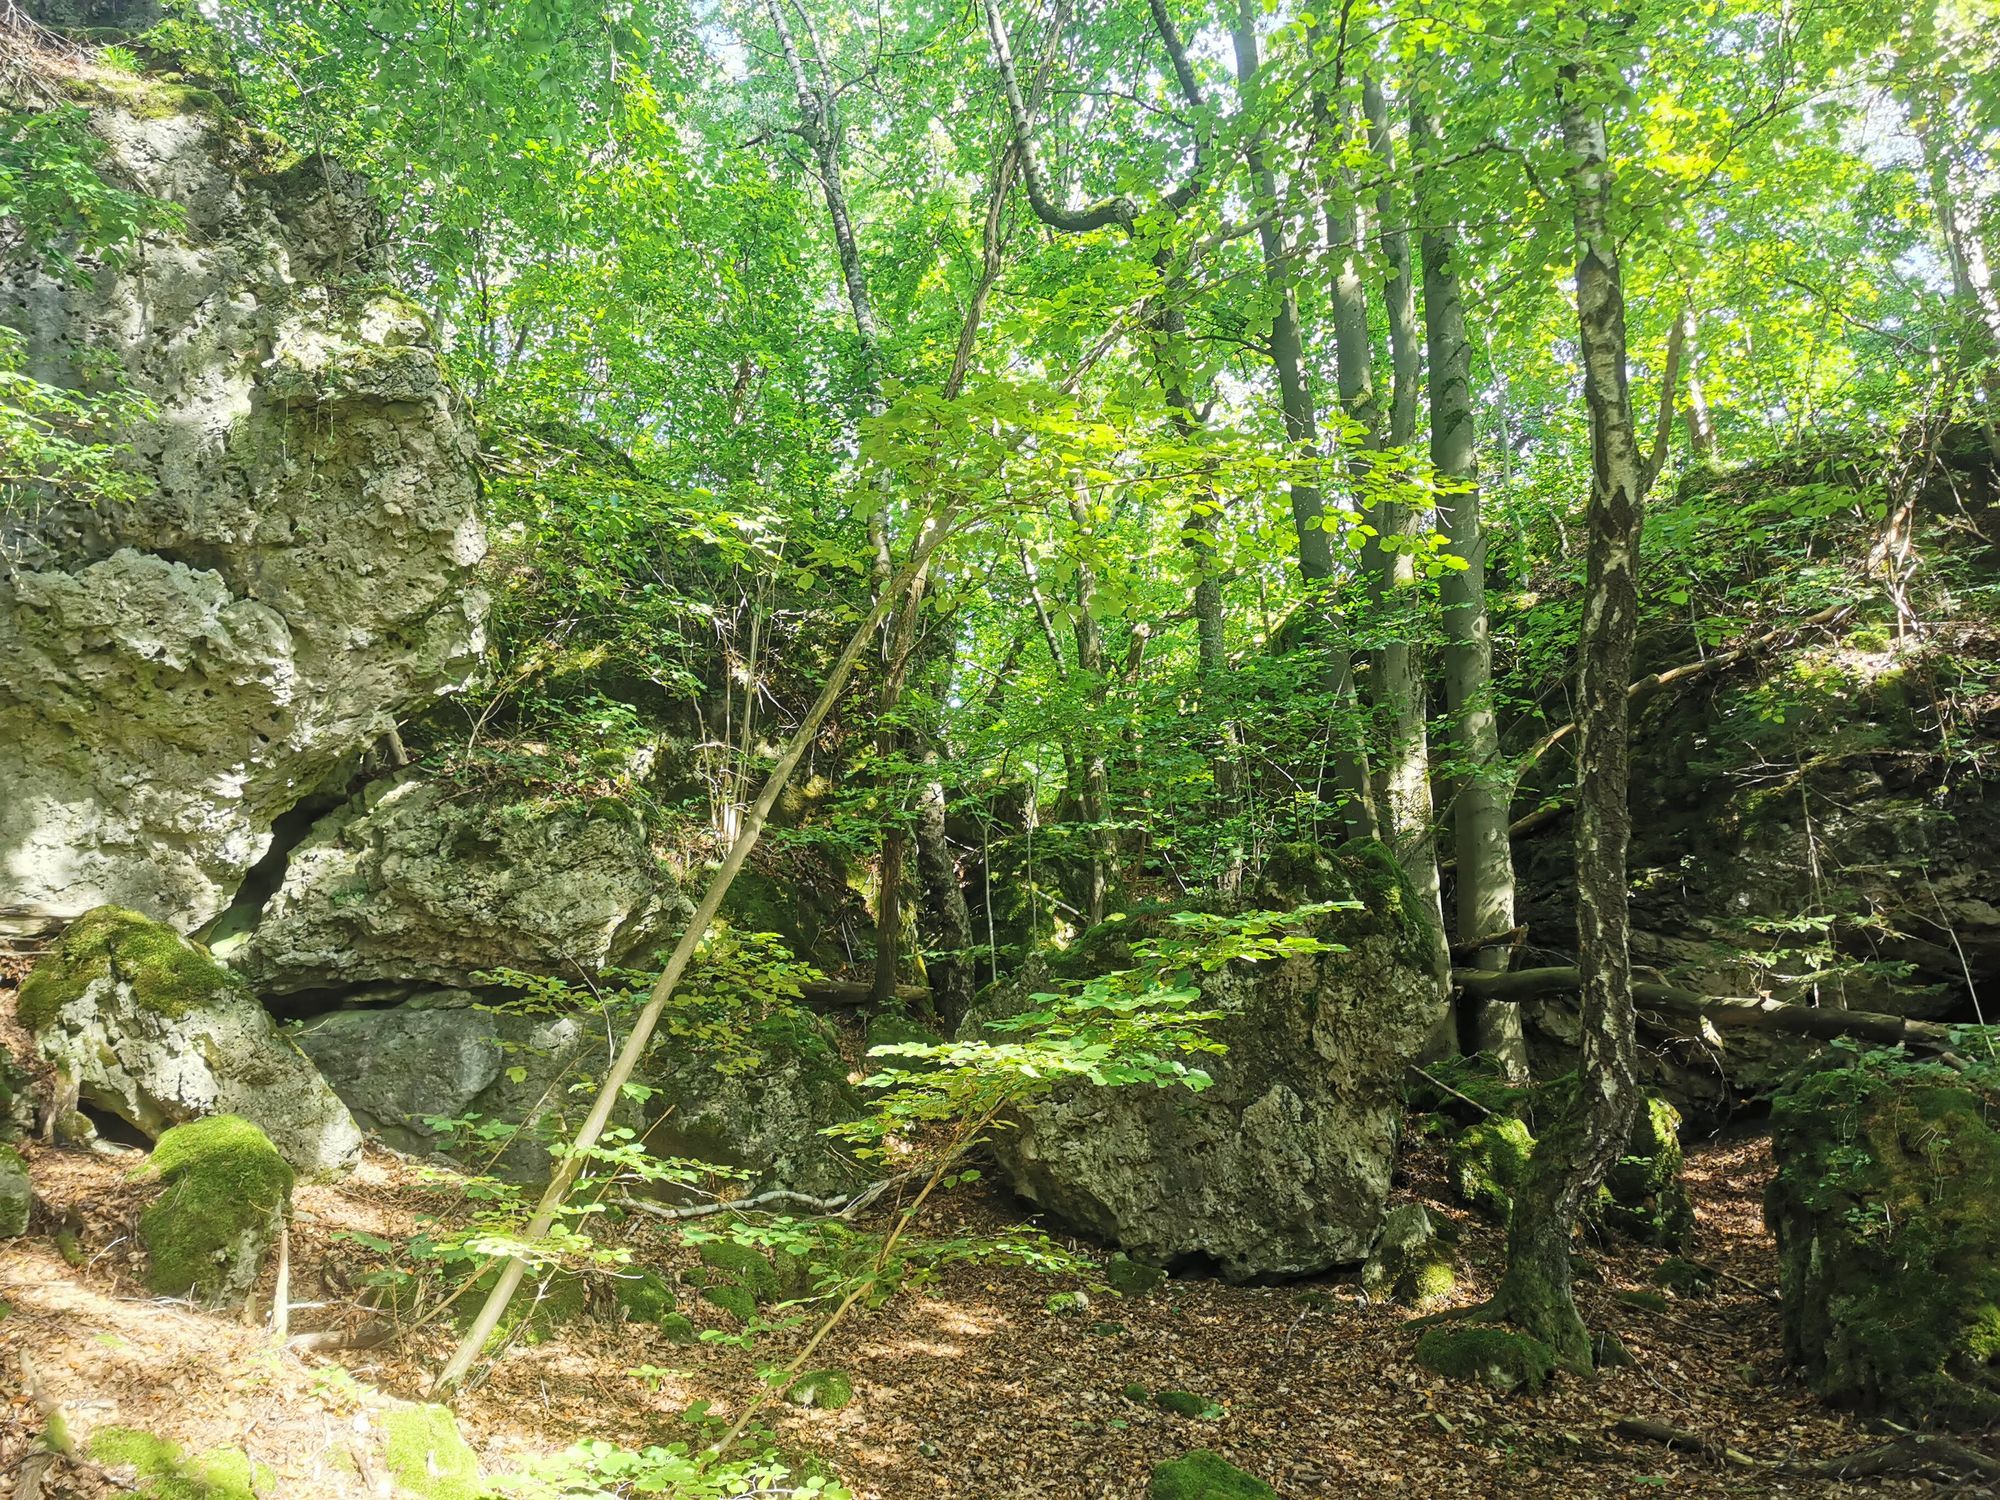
[(1572, 1159)]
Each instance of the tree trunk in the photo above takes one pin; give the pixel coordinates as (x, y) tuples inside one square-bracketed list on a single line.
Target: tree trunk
[(1485, 863), (944, 902), (1400, 695), (1535, 1292), (1353, 785)]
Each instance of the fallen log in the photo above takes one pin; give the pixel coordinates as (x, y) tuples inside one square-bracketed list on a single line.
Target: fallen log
[(1723, 1011)]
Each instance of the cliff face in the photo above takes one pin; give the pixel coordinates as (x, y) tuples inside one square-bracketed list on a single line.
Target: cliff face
[(179, 670)]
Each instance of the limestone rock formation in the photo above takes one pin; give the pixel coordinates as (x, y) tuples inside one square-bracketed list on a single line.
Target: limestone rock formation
[(445, 1055), (415, 881), (178, 670), (1886, 1208), (1282, 1166), (145, 1025)]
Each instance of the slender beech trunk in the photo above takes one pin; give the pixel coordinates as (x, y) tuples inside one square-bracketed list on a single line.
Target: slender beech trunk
[(1700, 423), (1315, 543), (1535, 1293), (1096, 799), (1485, 861), (1399, 692)]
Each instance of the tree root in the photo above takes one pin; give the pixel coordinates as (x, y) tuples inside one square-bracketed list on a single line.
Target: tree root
[(1913, 1452)]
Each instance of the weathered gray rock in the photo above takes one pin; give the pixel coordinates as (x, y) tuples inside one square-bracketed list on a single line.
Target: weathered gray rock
[(144, 1024), (224, 1194), (178, 670), (397, 1067), (1282, 1166), (415, 881), (760, 1109), (17, 1198)]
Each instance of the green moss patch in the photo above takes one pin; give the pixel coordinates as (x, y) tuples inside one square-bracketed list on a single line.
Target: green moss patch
[(1188, 1404), (827, 1389), (1498, 1357), (224, 1191), (164, 1472), (1645, 1198), (16, 1195), (1489, 1162), (168, 974), (645, 1296), (1202, 1475), (1886, 1208), (428, 1457), (1684, 1278), (1133, 1278)]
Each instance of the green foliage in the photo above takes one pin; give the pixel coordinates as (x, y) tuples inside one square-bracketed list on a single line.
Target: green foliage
[(223, 1189), (1498, 1357)]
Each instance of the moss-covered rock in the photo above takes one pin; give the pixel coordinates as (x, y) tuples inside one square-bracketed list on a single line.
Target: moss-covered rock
[(1187, 1404), (678, 1328), (1202, 1475), (430, 1459), (17, 1197), (147, 1026), (645, 1296), (1684, 1278), (1645, 1196), (224, 1192), (741, 1265), (894, 1029), (162, 1471), (1886, 1208), (1499, 1357), (1408, 1261), (827, 1389), (738, 1301), (1133, 1278), (1489, 1162)]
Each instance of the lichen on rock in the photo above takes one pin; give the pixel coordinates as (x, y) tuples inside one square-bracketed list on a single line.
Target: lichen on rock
[(1408, 1261), (178, 670), (17, 1196), (1886, 1208), (224, 1192), (146, 1025)]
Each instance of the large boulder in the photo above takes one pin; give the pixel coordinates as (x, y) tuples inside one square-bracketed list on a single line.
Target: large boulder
[(1886, 1208), (144, 1024), (1281, 1167), (179, 669), (521, 1080), (416, 881)]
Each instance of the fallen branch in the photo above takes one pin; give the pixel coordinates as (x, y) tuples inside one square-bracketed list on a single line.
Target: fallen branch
[(1823, 1021), (855, 992), (1914, 1451), (366, 1336), (1654, 682), (1438, 1083), (838, 1206), (1647, 1430)]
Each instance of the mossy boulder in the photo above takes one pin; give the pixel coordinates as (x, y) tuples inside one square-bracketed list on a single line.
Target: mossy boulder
[(1202, 1475), (1408, 1261), (1645, 1198), (894, 1029), (17, 1198), (1498, 1357), (1489, 1163), (1133, 1278), (1684, 1278), (1886, 1208), (1188, 1404), (764, 1118), (148, 1026), (428, 1457), (1281, 1167), (224, 1193), (645, 1296), (827, 1389), (162, 1471)]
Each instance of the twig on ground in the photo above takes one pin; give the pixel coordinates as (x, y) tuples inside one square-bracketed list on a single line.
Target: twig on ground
[(1646, 1429)]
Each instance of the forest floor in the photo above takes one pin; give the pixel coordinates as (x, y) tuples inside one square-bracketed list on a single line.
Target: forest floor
[(967, 1388)]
